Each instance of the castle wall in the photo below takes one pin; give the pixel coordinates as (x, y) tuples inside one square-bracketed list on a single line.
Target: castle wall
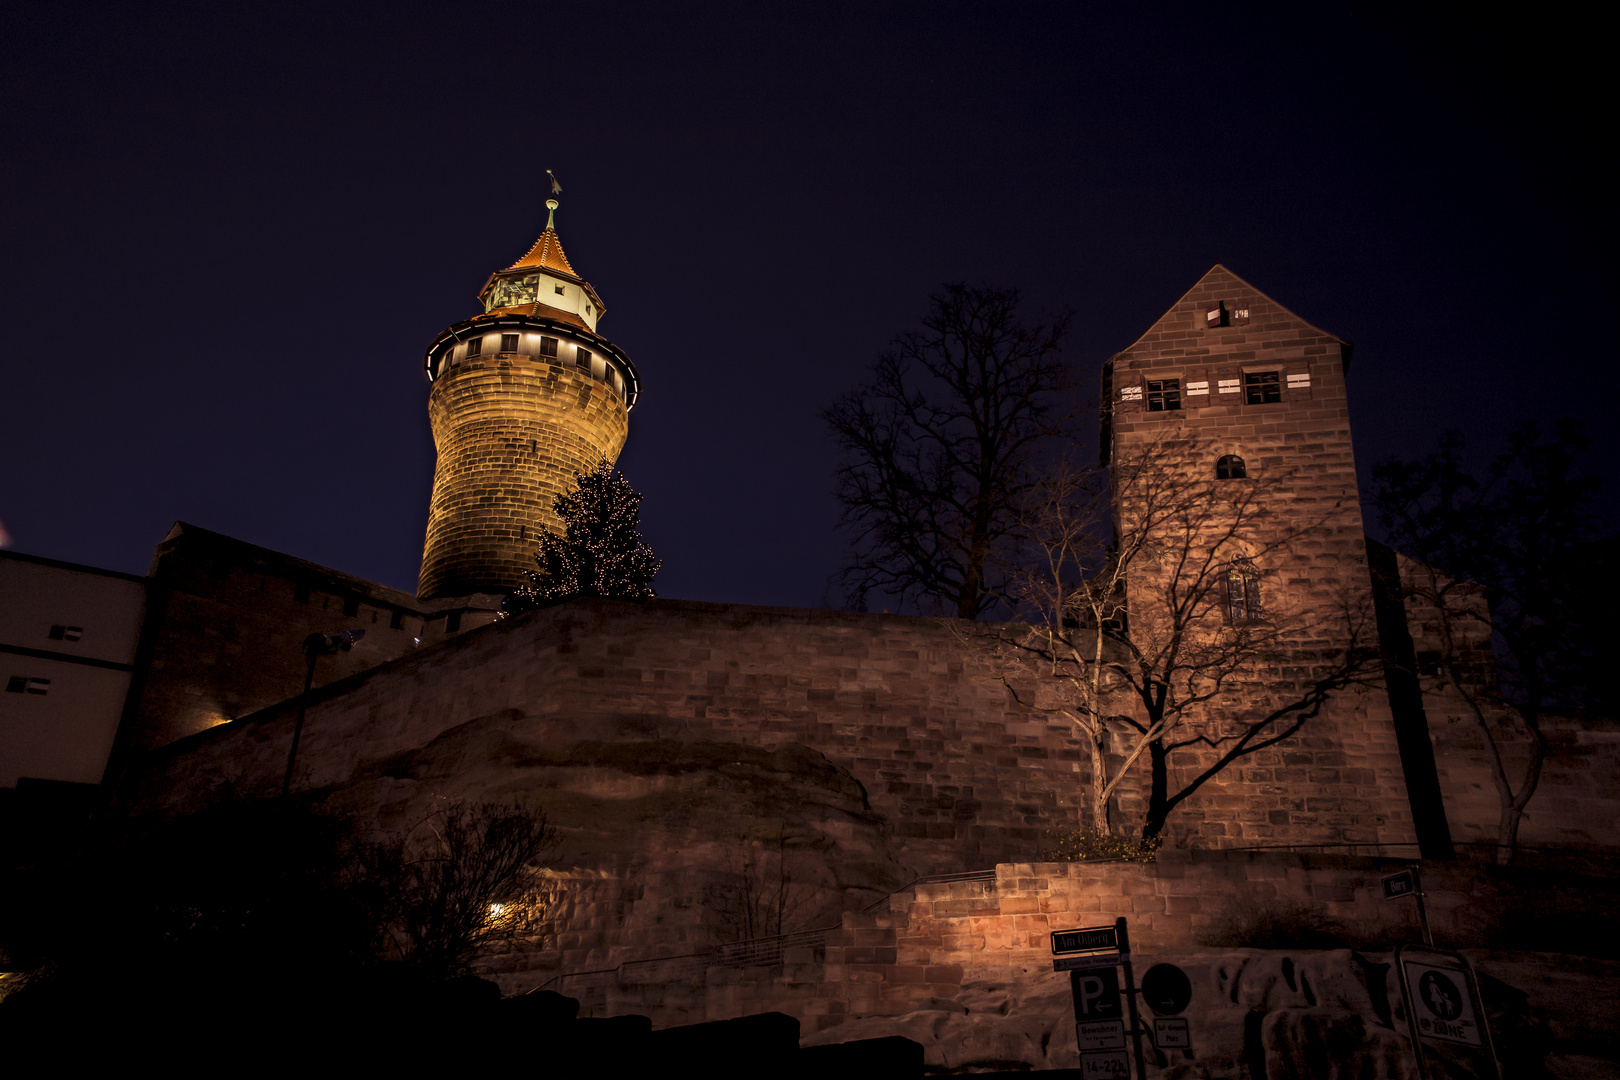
[(938, 943), (512, 432), (964, 776), (225, 625)]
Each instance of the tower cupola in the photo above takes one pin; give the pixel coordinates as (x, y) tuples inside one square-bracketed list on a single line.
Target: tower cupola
[(525, 395)]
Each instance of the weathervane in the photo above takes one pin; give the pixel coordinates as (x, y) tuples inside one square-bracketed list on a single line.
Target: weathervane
[(551, 203)]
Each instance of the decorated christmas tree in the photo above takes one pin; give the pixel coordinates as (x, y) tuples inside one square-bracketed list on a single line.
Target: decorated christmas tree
[(600, 553)]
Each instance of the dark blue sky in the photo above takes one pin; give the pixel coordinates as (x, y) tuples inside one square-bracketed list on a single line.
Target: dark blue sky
[(227, 233)]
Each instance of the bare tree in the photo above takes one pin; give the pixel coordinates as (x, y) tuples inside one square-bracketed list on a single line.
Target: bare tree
[(1500, 585), (465, 879), (942, 444), (1156, 640), (761, 899)]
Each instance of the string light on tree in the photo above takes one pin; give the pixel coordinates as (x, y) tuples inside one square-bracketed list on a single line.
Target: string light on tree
[(601, 551)]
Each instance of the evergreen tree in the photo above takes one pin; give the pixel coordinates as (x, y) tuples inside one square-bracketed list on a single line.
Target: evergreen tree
[(600, 553)]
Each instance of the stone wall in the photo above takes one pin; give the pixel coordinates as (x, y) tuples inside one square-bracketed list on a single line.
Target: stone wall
[(933, 944), (512, 431), (962, 775), (224, 630)]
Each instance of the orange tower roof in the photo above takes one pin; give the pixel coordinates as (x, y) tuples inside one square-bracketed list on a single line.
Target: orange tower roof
[(547, 252)]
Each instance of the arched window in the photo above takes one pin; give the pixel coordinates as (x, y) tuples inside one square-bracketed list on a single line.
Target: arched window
[(1230, 467), (1243, 593)]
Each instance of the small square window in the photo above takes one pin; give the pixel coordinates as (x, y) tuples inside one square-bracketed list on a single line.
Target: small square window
[(1231, 467), (1163, 395), (1261, 388), (548, 346), (509, 343), (1216, 315), (582, 358), (558, 289), (475, 346), (22, 684), (67, 633)]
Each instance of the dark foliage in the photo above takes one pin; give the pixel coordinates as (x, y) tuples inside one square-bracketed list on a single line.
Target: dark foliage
[(461, 882), (256, 915), (942, 443), (1277, 928), (601, 553), (1525, 533)]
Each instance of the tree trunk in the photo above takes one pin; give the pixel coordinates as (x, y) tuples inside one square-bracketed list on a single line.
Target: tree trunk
[(1507, 832), (1099, 785)]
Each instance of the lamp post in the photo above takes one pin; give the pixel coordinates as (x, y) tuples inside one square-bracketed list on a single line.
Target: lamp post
[(315, 647)]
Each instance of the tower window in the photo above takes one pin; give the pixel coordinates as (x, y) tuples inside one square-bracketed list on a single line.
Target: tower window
[(22, 684), (397, 620), (475, 346), (351, 605), (1261, 388), (558, 289), (1243, 593), (582, 358), (67, 633), (548, 346), (1163, 395), (1231, 467), (509, 342)]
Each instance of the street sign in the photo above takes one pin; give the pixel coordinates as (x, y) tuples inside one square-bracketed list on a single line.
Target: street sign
[(1166, 989), (1100, 1035), (1106, 1065), (1444, 1015), (1085, 939), (1444, 1008), (1084, 963), (1170, 1033), (1096, 994), (1100, 1022), (1399, 886)]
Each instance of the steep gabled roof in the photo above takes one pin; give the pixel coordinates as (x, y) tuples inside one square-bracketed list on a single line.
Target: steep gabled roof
[(1219, 283)]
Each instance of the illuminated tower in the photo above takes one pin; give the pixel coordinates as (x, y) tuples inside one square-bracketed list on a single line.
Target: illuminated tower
[(525, 396)]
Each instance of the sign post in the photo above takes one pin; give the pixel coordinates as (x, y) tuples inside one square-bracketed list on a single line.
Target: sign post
[(1408, 883), (1100, 1003)]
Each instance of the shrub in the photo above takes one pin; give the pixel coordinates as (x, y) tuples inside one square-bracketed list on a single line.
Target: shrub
[(1094, 845)]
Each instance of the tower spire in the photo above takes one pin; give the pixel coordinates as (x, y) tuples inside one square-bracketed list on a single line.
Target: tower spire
[(551, 203)]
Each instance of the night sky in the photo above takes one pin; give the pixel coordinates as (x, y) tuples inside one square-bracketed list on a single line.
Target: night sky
[(228, 233)]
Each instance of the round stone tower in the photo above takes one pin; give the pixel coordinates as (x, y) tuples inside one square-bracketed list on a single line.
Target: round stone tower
[(525, 396)]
